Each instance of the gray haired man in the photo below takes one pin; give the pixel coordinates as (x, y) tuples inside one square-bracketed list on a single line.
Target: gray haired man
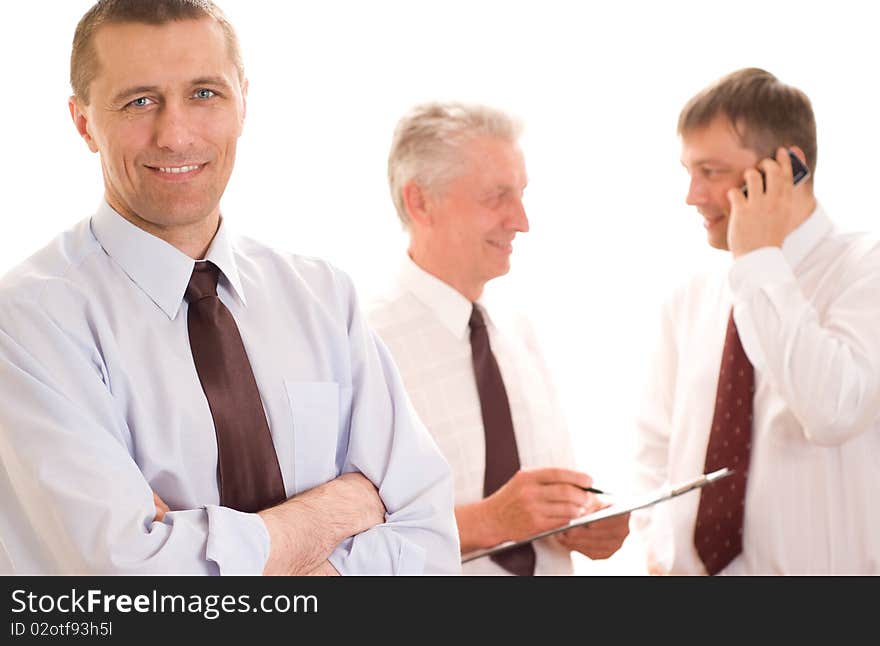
[(474, 371)]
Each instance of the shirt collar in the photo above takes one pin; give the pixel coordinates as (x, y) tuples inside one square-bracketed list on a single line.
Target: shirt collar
[(451, 308), (222, 253), (159, 269), (800, 242)]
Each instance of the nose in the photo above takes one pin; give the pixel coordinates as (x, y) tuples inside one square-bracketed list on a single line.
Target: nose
[(517, 219), (696, 194), (173, 130)]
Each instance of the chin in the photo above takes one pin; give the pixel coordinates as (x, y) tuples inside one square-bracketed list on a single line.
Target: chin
[(502, 269), (718, 244), (717, 237), (491, 274), (182, 212)]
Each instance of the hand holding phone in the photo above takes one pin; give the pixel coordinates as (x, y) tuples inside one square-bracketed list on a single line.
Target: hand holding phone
[(799, 172), (767, 217)]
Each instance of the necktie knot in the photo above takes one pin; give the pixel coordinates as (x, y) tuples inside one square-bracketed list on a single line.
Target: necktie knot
[(476, 321), (203, 282)]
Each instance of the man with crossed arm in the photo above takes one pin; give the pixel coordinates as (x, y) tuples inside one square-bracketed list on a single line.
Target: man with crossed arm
[(176, 399)]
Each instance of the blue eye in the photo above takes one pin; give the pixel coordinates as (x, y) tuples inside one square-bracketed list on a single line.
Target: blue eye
[(205, 94), (140, 102)]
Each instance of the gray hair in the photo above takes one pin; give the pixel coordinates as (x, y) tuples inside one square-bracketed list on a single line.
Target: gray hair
[(427, 142)]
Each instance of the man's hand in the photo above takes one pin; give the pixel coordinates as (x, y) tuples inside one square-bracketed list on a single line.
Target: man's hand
[(305, 529), (765, 217), (161, 508), (597, 540), (653, 564), (530, 502)]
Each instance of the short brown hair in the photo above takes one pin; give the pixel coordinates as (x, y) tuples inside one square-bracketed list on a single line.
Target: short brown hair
[(765, 113), (83, 58)]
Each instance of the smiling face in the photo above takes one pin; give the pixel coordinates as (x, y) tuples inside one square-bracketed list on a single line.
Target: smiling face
[(715, 159), (165, 113), (476, 216)]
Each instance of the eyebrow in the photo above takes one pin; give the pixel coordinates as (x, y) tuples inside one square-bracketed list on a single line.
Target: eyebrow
[(218, 81), (211, 80), (711, 161), (499, 188)]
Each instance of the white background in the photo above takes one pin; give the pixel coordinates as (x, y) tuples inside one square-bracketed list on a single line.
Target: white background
[(599, 87)]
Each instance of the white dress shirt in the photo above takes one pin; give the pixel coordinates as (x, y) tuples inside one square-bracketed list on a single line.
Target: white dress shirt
[(424, 323), (808, 316), (100, 402)]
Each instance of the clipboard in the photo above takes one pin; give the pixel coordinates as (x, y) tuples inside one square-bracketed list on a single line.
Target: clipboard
[(616, 509)]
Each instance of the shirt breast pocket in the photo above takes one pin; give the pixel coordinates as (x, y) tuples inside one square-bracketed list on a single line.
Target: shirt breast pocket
[(314, 407)]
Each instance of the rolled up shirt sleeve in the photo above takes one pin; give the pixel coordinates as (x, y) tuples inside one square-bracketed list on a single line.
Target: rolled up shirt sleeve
[(389, 444)]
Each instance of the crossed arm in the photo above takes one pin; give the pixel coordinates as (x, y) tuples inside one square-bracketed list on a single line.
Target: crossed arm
[(79, 502), (306, 528)]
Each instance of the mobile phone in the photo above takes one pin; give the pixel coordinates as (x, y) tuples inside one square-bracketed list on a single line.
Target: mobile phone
[(798, 170)]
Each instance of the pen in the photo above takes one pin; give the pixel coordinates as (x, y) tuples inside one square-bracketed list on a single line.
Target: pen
[(592, 490)]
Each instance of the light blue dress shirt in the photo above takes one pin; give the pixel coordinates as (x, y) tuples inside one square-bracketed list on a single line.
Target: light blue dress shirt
[(100, 403)]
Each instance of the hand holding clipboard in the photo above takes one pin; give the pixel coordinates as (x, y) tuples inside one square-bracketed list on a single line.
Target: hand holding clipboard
[(616, 509)]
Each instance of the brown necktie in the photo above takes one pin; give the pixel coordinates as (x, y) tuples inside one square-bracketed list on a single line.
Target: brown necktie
[(502, 458), (719, 528), (247, 465)]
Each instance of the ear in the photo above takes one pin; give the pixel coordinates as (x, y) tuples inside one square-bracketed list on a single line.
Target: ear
[(81, 122), (417, 204), (800, 154)]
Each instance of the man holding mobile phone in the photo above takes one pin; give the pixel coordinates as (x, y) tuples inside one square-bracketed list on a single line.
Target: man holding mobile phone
[(770, 368)]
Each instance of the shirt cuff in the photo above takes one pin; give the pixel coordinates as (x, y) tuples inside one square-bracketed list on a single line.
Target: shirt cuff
[(763, 272), (756, 270), (237, 542), (376, 552)]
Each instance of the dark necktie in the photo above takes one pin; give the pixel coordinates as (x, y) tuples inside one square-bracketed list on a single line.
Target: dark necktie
[(719, 527), (247, 465), (502, 457)]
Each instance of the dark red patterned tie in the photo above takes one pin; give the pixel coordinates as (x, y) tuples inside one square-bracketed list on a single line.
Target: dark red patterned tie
[(247, 465), (502, 457), (719, 528)]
